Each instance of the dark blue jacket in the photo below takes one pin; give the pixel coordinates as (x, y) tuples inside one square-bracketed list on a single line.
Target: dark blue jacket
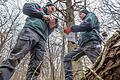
[(86, 29), (35, 19)]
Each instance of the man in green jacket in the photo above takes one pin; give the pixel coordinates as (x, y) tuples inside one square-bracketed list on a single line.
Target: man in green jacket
[(89, 42), (39, 25)]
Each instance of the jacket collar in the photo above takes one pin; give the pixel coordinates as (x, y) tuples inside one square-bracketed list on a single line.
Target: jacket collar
[(85, 16), (45, 10)]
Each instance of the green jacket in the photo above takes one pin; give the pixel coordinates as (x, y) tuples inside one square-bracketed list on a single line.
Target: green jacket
[(87, 29), (35, 19)]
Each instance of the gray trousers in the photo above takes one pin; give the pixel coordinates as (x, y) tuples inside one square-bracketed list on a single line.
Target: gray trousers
[(91, 49), (28, 40)]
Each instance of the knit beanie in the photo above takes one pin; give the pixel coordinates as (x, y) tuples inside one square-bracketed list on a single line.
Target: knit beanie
[(84, 11), (50, 4)]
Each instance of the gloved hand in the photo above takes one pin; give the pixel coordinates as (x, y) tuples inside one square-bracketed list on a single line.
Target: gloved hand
[(67, 30)]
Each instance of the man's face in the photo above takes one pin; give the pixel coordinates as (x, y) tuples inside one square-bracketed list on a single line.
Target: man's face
[(82, 15), (52, 22), (51, 9)]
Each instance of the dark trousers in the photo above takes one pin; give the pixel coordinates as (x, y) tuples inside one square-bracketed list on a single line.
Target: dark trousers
[(91, 49), (27, 41)]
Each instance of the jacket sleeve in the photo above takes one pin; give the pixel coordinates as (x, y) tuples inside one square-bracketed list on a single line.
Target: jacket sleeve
[(33, 10), (84, 26)]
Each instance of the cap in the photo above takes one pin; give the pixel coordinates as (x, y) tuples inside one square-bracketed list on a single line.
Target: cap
[(50, 4), (84, 11)]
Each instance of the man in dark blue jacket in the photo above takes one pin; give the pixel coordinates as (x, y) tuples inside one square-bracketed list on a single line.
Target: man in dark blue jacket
[(89, 41), (39, 25)]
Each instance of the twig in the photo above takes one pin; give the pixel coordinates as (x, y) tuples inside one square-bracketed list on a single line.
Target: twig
[(96, 75)]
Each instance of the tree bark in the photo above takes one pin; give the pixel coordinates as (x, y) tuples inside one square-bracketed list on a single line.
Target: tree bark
[(107, 67)]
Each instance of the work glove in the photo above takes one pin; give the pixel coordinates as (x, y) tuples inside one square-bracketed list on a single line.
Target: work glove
[(67, 30)]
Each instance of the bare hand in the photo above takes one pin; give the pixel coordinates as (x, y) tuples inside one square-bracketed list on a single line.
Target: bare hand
[(46, 17)]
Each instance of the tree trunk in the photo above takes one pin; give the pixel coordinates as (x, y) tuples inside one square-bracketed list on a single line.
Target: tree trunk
[(71, 45), (107, 67)]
